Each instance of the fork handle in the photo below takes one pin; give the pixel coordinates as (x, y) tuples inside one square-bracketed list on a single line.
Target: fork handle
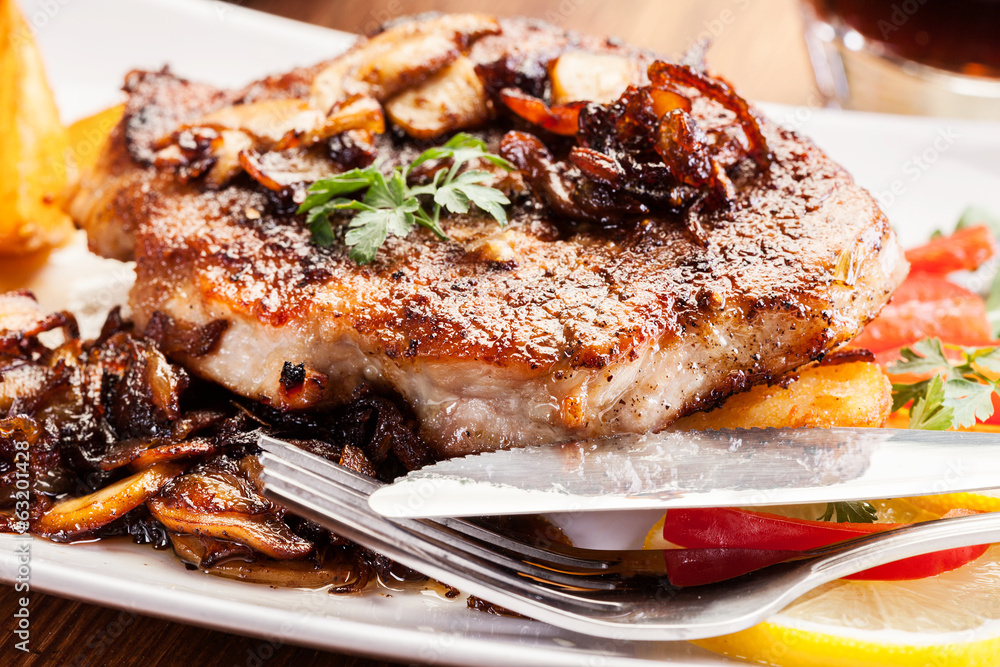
[(863, 553)]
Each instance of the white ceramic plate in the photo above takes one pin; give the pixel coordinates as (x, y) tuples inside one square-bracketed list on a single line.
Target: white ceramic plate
[(924, 170)]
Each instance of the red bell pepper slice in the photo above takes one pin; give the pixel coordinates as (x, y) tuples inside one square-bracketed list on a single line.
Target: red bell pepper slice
[(965, 250), (697, 567), (742, 529)]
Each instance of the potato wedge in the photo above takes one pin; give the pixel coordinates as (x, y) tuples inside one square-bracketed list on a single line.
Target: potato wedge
[(849, 394), (34, 147), (87, 136)]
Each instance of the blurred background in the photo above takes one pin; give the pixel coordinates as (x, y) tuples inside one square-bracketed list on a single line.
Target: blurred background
[(758, 44), (923, 57)]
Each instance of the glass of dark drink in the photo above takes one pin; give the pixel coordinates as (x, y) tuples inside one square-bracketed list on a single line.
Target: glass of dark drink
[(932, 57)]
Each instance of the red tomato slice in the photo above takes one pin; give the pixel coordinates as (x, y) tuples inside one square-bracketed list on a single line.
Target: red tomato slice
[(994, 418), (925, 306), (741, 529), (965, 250)]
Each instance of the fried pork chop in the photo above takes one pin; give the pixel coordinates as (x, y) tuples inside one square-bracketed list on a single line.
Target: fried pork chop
[(666, 247)]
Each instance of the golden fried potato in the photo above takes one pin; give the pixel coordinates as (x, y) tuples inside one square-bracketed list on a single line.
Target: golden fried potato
[(33, 144), (87, 136), (848, 394)]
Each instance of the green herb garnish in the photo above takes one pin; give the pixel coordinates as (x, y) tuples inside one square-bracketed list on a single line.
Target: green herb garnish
[(993, 306), (850, 512), (979, 215), (956, 395), (388, 205)]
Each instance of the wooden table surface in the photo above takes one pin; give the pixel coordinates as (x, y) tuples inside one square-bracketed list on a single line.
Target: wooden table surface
[(757, 45)]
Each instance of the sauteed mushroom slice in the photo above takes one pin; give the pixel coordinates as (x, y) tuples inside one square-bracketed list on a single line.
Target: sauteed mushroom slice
[(77, 517), (453, 99), (401, 57), (215, 500)]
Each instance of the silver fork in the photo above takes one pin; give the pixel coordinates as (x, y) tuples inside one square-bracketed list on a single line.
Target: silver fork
[(621, 595)]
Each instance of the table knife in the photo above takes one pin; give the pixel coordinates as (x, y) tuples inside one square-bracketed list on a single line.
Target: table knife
[(725, 468)]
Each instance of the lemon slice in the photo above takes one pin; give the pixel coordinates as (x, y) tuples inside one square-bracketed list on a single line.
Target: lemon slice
[(950, 619), (905, 510), (654, 538), (983, 501)]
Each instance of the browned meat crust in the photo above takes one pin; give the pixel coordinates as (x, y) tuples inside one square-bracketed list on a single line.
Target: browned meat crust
[(551, 329)]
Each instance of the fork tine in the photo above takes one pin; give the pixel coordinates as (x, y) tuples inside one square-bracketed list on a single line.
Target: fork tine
[(440, 559), (554, 556), (633, 567), (624, 563), (284, 475)]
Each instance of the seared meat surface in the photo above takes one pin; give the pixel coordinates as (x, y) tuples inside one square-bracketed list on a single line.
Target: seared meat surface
[(608, 304)]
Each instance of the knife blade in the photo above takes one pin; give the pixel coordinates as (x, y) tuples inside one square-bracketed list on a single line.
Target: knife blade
[(726, 468)]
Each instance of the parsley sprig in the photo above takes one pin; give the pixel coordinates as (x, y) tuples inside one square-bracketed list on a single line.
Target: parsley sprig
[(850, 511), (389, 205), (957, 394)]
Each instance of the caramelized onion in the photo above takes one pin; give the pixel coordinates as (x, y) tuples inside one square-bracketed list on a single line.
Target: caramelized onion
[(165, 381), (78, 516), (22, 319), (644, 152), (681, 144), (204, 552), (25, 384), (121, 453), (174, 451), (263, 533), (146, 389), (665, 101), (291, 573), (666, 75), (561, 119), (568, 197), (531, 157), (597, 166), (179, 337)]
